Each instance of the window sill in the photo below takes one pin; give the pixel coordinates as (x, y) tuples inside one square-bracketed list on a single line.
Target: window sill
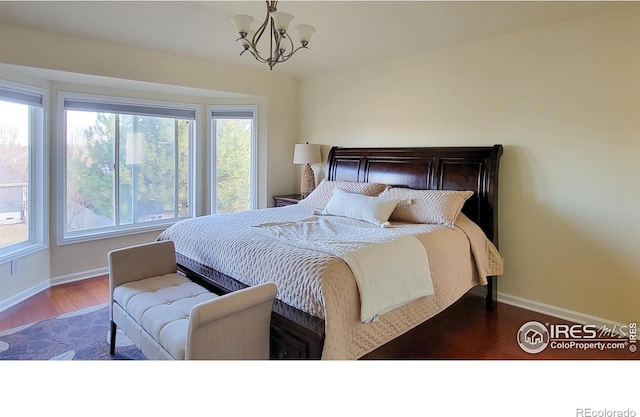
[(7, 256), (102, 235)]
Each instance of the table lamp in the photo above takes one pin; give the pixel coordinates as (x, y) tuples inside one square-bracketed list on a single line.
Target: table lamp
[(307, 154)]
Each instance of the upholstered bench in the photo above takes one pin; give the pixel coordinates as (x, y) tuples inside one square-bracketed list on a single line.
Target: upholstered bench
[(168, 316)]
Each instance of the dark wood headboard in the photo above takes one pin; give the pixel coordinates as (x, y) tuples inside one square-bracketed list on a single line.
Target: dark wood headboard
[(439, 168)]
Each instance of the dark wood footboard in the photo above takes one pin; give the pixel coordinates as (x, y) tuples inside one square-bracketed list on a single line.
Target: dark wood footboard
[(294, 333)]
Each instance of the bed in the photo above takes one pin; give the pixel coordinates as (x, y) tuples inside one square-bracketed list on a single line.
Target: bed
[(318, 313)]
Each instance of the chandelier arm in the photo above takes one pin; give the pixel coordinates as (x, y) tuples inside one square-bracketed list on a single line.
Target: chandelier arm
[(274, 35), (276, 54), (271, 6), (253, 51), (287, 57), (257, 56), (260, 31)]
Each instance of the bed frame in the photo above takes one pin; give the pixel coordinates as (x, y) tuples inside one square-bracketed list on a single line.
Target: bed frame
[(296, 334)]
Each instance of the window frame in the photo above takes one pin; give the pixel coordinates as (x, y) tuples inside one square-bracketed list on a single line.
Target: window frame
[(63, 237), (38, 187), (230, 109)]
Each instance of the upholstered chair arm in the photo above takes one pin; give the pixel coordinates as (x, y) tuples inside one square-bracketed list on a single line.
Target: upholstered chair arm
[(140, 262), (233, 326)]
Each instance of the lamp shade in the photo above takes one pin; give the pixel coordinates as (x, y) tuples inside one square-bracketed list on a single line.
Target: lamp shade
[(242, 22), (281, 21), (304, 33), (307, 154)]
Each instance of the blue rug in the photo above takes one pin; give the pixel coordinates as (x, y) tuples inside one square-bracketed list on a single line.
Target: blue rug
[(80, 335)]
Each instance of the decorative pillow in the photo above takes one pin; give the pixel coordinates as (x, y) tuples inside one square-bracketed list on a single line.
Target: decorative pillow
[(375, 210), (324, 191), (427, 206)]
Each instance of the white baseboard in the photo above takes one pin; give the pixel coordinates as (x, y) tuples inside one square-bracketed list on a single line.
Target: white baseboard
[(23, 295), (78, 276), (557, 312), (65, 279)]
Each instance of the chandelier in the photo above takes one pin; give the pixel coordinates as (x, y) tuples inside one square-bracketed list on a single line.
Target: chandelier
[(275, 25)]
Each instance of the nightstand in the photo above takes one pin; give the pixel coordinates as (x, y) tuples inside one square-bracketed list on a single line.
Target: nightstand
[(287, 200)]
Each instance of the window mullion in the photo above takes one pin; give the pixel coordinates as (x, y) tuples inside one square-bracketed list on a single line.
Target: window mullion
[(214, 166), (116, 173), (31, 193), (176, 187)]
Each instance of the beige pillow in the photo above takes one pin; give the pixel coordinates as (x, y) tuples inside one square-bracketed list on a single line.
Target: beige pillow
[(324, 191), (370, 209), (427, 206)]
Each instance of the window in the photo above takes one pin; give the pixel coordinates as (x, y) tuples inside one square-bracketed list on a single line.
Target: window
[(22, 171), (126, 165), (234, 142)]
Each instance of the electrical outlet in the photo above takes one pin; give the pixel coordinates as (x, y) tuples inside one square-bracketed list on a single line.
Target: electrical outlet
[(15, 266)]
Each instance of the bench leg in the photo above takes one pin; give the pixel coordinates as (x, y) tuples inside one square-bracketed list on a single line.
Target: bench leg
[(112, 341)]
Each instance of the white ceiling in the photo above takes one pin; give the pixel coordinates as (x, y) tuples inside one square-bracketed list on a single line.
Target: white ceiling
[(349, 33)]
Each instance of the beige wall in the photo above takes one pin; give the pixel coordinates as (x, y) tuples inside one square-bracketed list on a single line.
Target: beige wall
[(565, 103), (191, 80)]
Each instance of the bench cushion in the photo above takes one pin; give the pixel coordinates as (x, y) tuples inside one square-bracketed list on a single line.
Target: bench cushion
[(161, 305)]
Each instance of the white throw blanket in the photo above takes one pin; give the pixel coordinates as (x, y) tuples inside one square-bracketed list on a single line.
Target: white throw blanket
[(391, 268)]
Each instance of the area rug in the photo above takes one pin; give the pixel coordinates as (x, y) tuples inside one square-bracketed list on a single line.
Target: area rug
[(80, 335)]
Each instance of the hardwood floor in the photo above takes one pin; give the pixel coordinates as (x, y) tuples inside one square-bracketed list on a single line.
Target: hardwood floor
[(464, 331), (57, 300)]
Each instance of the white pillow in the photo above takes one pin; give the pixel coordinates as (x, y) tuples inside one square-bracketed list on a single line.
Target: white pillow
[(427, 206), (374, 210), (324, 191)]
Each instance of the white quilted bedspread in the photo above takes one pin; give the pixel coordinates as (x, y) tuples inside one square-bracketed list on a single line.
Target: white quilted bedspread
[(322, 284)]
